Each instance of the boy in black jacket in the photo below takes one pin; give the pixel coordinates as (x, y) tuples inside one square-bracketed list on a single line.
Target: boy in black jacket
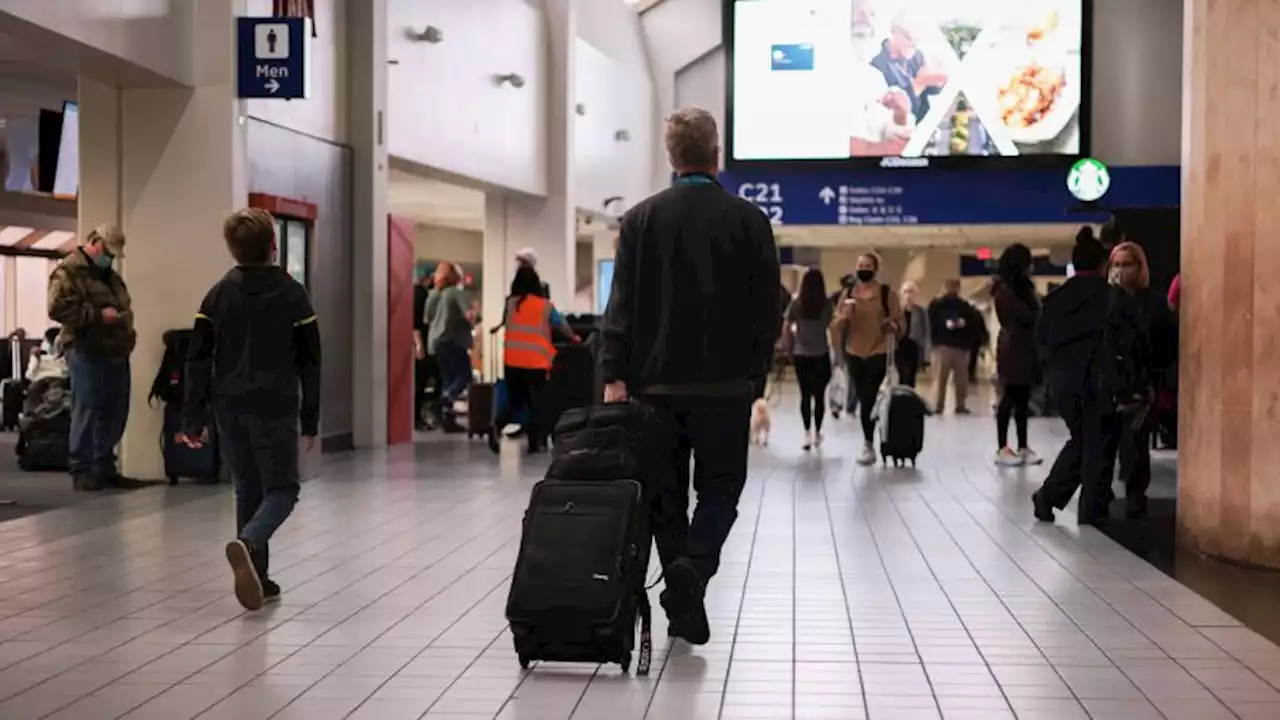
[(255, 346)]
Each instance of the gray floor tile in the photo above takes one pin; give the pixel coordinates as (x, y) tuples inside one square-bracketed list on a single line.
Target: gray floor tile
[(845, 593)]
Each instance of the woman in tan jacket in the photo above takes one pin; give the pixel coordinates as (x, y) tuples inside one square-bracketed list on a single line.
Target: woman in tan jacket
[(867, 314)]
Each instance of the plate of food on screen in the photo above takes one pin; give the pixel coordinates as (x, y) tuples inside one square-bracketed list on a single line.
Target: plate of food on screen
[(1038, 100), (1037, 81)]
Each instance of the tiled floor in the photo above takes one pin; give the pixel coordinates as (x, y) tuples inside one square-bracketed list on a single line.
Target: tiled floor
[(846, 593)]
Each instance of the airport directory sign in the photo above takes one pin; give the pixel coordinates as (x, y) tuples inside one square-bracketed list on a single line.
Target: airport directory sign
[(881, 198), (907, 83)]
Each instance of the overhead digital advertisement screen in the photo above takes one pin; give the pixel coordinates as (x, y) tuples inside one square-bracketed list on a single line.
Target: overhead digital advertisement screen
[(907, 83)]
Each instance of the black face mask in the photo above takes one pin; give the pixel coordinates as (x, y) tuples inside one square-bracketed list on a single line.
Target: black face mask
[(866, 276)]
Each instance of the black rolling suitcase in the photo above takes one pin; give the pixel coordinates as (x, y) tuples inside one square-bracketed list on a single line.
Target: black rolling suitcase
[(578, 592), (900, 414), (12, 397), (202, 464)]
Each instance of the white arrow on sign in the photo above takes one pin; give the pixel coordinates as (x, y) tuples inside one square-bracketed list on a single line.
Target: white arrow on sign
[(273, 86), (827, 195)]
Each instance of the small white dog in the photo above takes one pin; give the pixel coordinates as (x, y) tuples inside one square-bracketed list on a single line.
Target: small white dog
[(761, 424)]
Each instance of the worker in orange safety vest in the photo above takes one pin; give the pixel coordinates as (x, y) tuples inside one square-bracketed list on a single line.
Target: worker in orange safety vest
[(528, 353)]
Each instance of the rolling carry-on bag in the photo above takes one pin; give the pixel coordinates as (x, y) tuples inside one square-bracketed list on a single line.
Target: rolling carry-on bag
[(202, 464), (578, 592), (482, 397), (900, 413), (12, 397)]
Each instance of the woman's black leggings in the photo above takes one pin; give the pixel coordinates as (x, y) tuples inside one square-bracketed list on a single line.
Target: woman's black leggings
[(866, 374), (813, 374), (524, 388), (1015, 401)]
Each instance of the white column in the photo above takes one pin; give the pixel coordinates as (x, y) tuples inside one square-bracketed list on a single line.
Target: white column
[(367, 103), (547, 224), (99, 199), (167, 165)]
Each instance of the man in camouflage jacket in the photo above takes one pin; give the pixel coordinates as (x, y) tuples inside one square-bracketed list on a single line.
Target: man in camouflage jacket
[(88, 298)]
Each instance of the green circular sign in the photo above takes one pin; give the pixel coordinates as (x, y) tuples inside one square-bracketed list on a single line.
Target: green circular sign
[(1088, 180)]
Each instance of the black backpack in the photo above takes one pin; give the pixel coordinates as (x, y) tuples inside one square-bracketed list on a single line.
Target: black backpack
[(167, 387)]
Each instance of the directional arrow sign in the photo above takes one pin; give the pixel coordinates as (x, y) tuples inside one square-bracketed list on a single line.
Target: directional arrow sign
[(826, 194), (273, 86)]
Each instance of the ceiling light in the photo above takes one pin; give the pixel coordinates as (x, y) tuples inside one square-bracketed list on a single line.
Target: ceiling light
[(54, 240), (11, 235)]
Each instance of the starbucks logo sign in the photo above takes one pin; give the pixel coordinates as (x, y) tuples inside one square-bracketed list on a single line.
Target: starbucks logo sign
[(1088, 180)]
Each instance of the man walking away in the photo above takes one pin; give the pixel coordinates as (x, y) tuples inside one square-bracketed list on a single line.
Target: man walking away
[(954, 338), (690, 328), (90, 301), (256, 354)]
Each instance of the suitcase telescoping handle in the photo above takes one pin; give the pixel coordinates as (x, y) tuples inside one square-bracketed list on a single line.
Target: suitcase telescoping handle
[(891, 367), (492, 351)]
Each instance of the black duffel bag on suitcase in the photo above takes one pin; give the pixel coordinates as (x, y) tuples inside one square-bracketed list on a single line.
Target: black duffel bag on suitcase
[(579, 591), (571, 383)]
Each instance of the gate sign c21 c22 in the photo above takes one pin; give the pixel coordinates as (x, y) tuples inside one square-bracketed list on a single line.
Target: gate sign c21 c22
[(951, 197)]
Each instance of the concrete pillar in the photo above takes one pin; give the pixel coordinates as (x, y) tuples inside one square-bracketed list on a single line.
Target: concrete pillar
[(167, 165), (367, 104), (548, 225), (1229, 387)]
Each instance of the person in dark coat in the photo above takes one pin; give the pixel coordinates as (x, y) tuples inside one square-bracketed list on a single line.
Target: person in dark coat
[(1017, 356), (1092, 336), (1128, 270)]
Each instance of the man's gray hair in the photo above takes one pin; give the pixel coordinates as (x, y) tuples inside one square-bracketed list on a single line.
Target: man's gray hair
[(693, 140)]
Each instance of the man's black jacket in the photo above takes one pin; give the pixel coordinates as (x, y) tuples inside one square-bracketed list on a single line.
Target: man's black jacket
[(694, 305)]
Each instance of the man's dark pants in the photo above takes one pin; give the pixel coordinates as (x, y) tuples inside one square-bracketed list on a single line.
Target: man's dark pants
[(99, 412), (711, 435), (262, 453), (426, 374), (1085, 458)]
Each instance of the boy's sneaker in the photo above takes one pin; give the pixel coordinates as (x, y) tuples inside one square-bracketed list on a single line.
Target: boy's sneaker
[(1029, 457), (808, 440), (817, 439), (248, 585), (270, 592), (1006, 457), (684, 602)]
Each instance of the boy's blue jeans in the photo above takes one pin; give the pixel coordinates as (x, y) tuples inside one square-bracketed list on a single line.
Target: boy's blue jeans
[(262, 454)]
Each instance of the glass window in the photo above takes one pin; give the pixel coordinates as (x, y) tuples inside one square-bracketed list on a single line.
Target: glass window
[(31, 285), (295, 251)]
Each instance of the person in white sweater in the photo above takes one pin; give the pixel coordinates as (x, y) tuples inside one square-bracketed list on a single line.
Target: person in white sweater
[(47, 360)]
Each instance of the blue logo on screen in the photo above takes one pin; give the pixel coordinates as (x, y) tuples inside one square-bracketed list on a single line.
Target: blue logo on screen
[(793, 57)]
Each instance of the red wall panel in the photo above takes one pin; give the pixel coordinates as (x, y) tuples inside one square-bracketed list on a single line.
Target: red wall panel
[(400, 258)]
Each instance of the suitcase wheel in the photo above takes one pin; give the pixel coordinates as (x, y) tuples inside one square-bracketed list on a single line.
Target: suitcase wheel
[(524, 663), (173, 480), (626, 663)]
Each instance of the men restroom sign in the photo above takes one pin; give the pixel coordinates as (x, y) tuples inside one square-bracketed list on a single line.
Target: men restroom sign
[(271, 57)]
